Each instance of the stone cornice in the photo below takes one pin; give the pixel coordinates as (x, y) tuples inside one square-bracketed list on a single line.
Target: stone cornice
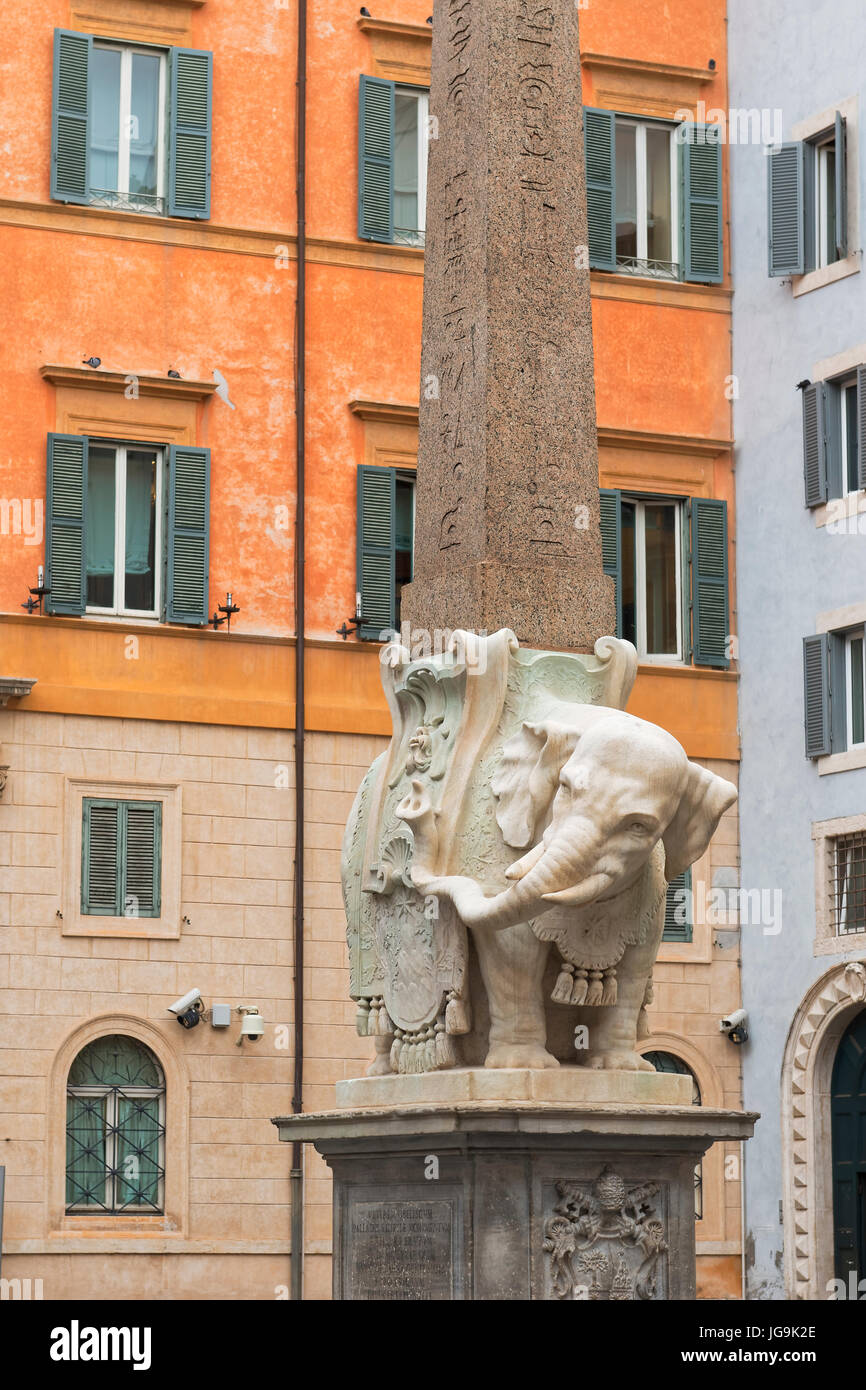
[(395, 28), (385, 412), (643, 68), (96, 379)]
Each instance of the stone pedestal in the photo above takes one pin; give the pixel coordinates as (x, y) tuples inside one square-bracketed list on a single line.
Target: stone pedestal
[(470, 1195)]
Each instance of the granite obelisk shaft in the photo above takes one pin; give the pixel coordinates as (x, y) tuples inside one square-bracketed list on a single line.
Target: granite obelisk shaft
[(507, 515)]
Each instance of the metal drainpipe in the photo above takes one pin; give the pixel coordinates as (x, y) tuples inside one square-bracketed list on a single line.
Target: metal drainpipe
[(297, 1169)]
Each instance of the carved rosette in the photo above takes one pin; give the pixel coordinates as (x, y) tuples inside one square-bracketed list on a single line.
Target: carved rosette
[(607, 1240)]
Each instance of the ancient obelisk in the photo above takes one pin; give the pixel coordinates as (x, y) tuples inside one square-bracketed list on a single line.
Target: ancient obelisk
[(507, 512)]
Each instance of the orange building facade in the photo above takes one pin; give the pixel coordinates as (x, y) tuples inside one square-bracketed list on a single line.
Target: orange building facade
[(180, 276)]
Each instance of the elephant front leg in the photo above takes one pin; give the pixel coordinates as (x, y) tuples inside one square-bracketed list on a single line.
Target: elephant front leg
[(613, 1030), (512, 966)]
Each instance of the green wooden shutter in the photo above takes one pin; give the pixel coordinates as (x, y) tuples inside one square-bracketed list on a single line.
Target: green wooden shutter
[(189, 132), (599, 138), (815, 443), (611, 545), (679, 916), (841, 187), (861, 426), (816, 684), (188, 533), (375, 550), (786, 209), (70, 124), (701, 179), (65, 521), (376, 160), (101, 856), (710, 581), (142, 824)]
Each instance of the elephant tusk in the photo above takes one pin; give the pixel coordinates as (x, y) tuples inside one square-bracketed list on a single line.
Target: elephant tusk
[(520, 867), (581, 892)]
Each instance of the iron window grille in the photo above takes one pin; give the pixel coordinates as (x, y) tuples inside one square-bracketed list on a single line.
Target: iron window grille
[(115, 1129), (127, 202), (409, 236), (666, 1061), (661, 270), (848, 883)]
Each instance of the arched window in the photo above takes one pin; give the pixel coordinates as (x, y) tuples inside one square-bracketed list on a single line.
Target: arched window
[(666, 1061), (115, 1128)]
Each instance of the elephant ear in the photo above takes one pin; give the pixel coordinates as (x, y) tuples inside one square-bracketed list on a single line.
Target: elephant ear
[(528, 778), (704, 800)]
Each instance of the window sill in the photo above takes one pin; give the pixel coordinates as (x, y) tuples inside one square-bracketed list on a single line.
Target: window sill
[(825, 275), (837, 511), (840, 945), (849, 761)]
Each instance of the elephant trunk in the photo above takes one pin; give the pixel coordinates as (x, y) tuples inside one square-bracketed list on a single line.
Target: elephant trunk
[(565, 867)]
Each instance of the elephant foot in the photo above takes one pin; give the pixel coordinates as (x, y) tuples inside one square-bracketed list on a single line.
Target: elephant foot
[(531, 1056), (619, 1061)]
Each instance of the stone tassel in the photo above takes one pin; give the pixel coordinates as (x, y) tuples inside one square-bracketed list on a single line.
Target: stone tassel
[(362, 1018), (457, 1018), (595, 991), (578, 993), (384, 1025), (609, 992), (446, 1052), (430, 1051), (561, 993), (396, 1049)]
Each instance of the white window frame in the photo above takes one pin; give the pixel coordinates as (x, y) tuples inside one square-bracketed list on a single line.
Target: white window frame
[(422, 97), (847, 384), (123, 149), (641, 127), (640, 504), (857, 634), (120, 453), (822, 246), (110, 1094)]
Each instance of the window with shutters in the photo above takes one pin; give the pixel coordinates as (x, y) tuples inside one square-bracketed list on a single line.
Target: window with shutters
[(808, 201), (668, 558), (115, 1129), (385, 545), (654, 197), (131, 126), (679, 909), (834, 437), (122, 859), (127, 529), (121, 854), (392, 162), (834, 684)]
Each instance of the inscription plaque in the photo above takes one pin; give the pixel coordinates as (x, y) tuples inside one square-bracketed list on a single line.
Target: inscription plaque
[(401, 1250)]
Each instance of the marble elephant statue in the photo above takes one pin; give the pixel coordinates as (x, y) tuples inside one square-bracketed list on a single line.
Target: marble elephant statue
[(520, 814)]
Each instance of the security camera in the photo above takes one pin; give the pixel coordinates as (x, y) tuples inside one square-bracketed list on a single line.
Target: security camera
[(735, 1026), (188, 1009), (252, 1023)]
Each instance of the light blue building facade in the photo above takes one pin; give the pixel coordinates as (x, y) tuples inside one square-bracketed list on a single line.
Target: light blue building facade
[(799, 388)]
